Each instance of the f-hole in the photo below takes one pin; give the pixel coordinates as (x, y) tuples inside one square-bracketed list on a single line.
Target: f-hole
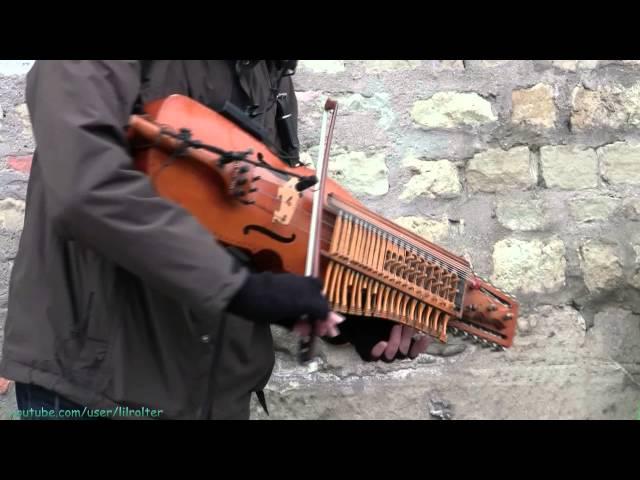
[(271, 234)]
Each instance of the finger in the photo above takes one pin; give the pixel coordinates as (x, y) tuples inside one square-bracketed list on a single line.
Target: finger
[(394, 342), (333, 332), (405, 340), (378, 350), (420, 346), (336, 318), (302, 328), (320, 328), (330, 325)]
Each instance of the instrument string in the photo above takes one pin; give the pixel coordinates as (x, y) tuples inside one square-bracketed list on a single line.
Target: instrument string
[(439, 260)]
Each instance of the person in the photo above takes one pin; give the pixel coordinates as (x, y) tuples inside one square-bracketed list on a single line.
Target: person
[(120, 298)]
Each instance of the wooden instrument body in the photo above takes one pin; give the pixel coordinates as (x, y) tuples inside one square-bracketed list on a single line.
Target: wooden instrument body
[(197, 183), (261, 212)]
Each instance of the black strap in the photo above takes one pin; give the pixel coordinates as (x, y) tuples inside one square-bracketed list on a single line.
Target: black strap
[(145, 67), (263, 401), (286, 126)]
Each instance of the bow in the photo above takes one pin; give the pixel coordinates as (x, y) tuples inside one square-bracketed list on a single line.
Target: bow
[(312, 266)]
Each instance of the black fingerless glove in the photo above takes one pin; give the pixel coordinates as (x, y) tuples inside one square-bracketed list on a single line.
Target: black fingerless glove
[(280, 298)]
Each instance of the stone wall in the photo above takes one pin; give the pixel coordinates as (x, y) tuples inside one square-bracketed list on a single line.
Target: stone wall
[(530, 169), (16, 147)]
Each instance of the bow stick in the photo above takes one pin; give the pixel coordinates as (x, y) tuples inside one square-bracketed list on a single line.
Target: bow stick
[(312, 265)]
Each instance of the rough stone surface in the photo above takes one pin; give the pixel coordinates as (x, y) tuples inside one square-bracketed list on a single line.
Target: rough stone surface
[(23, 112), (534, 106), (14, 184), (496, 170), (529, 266), (635, 279), (621, 163), (8, 405), (20, 164), (601, 265), (591, 209), (588, 64), (431, 179), (524, 214), (569, 65), (451, 109), (378, 102), (494, 63), (611, 106), (323, 66), (15, 67), (449, 65), (574, 65), (4, 386), (552, 333), (569, 167), (431, 229), (631, 97), (631, 208), (615, 336), (361, 174), (11, 214), (377, 66), (595, 109)]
